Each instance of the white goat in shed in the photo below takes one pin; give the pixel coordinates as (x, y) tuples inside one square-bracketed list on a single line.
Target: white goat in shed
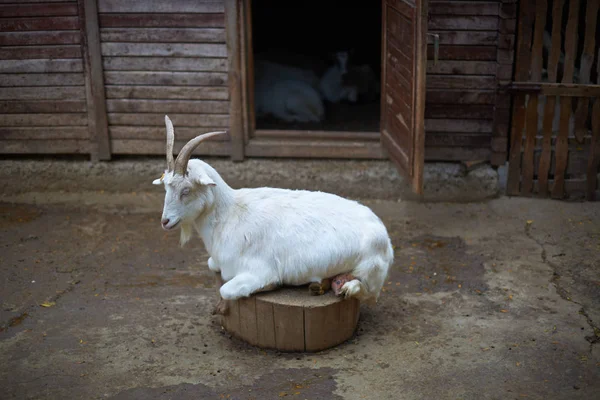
[(288, 93), (332, 86), (288, 100), (262, 238)]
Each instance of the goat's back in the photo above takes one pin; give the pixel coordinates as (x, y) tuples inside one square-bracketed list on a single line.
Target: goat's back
[(302, 235)]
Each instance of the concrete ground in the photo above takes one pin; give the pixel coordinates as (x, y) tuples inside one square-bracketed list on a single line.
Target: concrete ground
[(493, 300)]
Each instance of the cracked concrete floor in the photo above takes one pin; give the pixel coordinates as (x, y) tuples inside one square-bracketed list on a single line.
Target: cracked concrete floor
[(496, 300)]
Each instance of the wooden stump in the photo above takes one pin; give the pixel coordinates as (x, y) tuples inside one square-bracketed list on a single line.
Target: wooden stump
[(289, 319)]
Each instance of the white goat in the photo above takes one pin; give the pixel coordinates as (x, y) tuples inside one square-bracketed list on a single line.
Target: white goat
[(259, 239), (290, 101), (287, 93), (331, 85)]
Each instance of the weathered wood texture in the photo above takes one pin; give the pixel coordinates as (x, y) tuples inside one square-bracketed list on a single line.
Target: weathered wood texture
[(291, 320), (465, 119), (554, 136), (172, 57), (403, 90), (42, 85), (164, 58), (507, 17), (461, 102), (94, 80)]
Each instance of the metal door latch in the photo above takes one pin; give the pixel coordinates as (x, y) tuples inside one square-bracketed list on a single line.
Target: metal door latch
[(436, 46)]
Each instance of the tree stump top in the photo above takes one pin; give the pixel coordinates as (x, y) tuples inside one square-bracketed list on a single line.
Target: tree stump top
[(289, 319), (298, 297)]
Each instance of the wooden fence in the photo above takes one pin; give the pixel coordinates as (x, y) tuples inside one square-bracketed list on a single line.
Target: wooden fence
[(555, 139)]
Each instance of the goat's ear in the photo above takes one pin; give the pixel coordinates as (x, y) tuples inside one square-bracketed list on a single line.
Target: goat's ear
[(204, 179), (159, 180)]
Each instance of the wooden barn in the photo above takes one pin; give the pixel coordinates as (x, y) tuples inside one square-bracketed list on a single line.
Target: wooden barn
[(494, 81)]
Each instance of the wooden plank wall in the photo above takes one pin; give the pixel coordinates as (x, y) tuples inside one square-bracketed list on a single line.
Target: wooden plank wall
[(461, 88), (164, 57), (171, 57), (507, 25), (42, 87)]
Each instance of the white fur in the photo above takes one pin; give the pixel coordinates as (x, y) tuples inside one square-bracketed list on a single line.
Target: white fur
[(270, 71), (287, 93), (266, 237), (290, 101), (331, 84)]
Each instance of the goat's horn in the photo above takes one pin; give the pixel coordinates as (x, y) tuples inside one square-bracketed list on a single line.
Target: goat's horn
[(170, 142), (184, 155)]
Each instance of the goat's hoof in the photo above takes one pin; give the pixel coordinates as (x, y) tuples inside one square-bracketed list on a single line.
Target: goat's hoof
[(315, 289), (222, 308), (319, 288), (350, 289)]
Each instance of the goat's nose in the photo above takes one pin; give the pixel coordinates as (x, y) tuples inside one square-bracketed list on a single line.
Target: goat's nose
[(165, 221)]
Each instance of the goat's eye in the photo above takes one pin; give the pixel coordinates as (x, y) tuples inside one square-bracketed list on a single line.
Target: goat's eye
[(185, 192)]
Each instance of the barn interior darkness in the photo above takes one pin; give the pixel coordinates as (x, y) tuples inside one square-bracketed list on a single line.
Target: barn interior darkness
[(306, 34)]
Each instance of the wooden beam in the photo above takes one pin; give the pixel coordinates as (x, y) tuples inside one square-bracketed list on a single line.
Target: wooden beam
[(554, 89), (232, 23), (94, 80)]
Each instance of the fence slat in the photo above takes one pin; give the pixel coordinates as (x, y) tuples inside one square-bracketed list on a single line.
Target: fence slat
[(518, 124), (546, 157), (556, 40), (530, 133), (562, 148), (532, 106), (587, 59), (523, 60), (538, 41), (594, 160)]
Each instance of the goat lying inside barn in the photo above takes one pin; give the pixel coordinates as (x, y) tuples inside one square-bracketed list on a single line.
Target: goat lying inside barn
[(288, 93), (262, 238)]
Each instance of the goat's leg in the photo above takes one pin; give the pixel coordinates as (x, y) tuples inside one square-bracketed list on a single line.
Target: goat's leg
[(212, 265), (245, 284), (319, 288), (222, 307)]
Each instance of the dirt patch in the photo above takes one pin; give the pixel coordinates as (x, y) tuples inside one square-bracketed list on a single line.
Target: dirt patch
[(11, 215), (431, 264), (302, 383)]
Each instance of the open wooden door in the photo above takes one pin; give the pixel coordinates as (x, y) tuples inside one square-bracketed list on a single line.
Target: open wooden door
[(404, 62)]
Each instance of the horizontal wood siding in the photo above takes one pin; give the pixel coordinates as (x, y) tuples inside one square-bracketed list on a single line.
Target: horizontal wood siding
[(164, 57), (42, 87), (170, 57), (461, 87)]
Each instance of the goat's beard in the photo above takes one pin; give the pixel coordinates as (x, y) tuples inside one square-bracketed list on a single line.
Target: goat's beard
[(186, 233)]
